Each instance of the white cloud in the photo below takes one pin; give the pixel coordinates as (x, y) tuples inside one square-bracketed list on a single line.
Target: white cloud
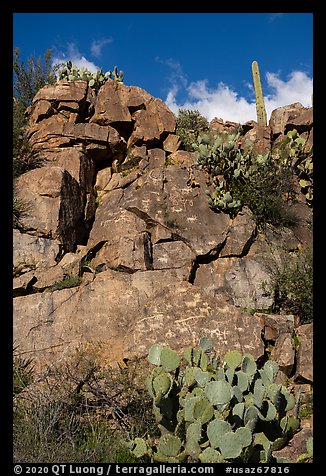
[(225, 103), (98, 45), (298, 88), (77, 59)]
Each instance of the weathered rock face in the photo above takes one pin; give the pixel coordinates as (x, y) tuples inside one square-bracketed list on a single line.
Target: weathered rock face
[(119, 205)]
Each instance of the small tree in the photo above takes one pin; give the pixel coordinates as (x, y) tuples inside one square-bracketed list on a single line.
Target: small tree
[(28, 78), (190, 123)]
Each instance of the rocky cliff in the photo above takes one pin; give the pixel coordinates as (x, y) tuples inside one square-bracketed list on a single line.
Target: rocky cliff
[(118, 246)]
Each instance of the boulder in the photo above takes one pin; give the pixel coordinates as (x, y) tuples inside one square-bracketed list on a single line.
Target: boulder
[(259, 136), (125, 317), (304, 368), (280, 117), (68, 91), (283, 353), (54, 203), (241, 235), (274, 325), (116, 103), (302, 122), (219, 125), (171, 143), (33, 252), (296, 447), (152, 124), (100, 141)]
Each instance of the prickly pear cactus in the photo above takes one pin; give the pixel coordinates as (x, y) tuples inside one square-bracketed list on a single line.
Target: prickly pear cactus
[(210, 409), (95, 80)]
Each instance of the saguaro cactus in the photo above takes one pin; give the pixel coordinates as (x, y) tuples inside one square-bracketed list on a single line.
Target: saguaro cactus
[(260, 105)]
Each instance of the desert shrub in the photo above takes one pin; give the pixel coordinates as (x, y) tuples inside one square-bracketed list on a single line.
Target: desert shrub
[(58, 431), (293, 151), (268, 192), (293, 285), (23, 372), (80, 411), (20, 208), (190, 123), (67, 282)]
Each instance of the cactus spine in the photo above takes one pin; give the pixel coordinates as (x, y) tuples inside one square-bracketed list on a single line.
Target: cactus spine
[(260, 105)]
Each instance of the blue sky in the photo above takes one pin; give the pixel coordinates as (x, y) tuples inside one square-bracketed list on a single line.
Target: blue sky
[(196, 61)]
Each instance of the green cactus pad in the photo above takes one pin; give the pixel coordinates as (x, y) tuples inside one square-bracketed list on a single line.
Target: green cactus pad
[(289, 397), (149, 380), (248, 364), (206, 344), (193, 436), (216, 430), (162, 384), (157, 414), (267, 411), (229, 374), (251, 413), (203, 410), (198, 392), (259, 393), (219, 393), (169, 445), (279, 443), (192, 356), (203, 363), (209, 455), (271, 369), (202, 378), (237, 393), (242, 380), (169, 359), (190, 376), (189, 404), (238, 410), (220, 373), (233, 358), (141, 448), (244, 434), (154, 355), (232, 444), (289, 424), (274, 392)]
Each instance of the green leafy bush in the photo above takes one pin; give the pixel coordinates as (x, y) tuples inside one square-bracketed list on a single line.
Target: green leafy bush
[(67, 282), (268, 191), (210, 410), (291, 151), (293, 285), (190, 123), (28, 79)]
